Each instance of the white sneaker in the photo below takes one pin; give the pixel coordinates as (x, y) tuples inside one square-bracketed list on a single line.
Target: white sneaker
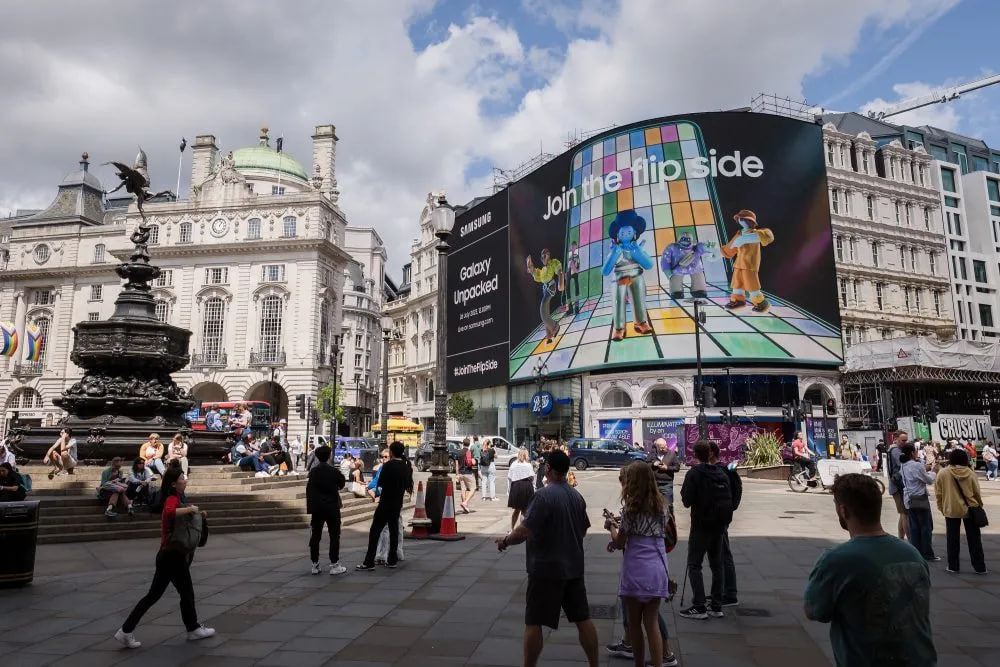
[(335, 568), (315, 568), (201, 633), (261, 474), (274, 470), (127, 639)]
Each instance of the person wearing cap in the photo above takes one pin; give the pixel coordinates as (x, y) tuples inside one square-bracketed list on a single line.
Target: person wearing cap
[(628, 261), (745, 247), (281, 433)]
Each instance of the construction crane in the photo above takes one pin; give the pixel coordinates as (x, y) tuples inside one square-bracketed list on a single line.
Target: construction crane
[(937, 97)]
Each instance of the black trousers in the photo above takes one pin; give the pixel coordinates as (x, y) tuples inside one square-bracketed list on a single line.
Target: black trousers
[(384, 517), (729, 568), (332, 522), (706, 540), (137, 492), (974, 538), (172, 567)]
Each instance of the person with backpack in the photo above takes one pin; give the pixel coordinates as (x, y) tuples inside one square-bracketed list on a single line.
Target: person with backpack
[(173, 566), (706, 490), (730, 597), (477, 449), (465, 478), (488, 471)]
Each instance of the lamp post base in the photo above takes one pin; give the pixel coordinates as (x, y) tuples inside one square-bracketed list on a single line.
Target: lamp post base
[(437, 487)]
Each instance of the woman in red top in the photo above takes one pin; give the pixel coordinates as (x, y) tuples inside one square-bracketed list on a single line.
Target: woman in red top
[(172, 567)]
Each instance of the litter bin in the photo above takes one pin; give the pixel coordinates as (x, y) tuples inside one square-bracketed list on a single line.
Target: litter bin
[(18, 537)]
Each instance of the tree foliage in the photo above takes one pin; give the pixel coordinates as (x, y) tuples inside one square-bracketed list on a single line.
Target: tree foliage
[(461, 408), (326, 404)]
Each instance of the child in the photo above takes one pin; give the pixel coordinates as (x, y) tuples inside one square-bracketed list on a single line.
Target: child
[(571, 479), (644, 580)]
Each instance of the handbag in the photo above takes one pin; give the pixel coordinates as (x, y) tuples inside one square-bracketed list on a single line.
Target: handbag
[(670, 533), (920, 502), (187, 532), (977, 513)]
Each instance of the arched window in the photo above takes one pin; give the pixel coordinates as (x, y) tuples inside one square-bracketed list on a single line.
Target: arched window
[(162, 310), (659, 397), (25, 398), (324, 332), (617, 398), (429, 390), (185, 232), (816, 394), (44, 325), (253, 228), (99, 251), (154, 234), (289, 226), (212, 329), (270, 327)]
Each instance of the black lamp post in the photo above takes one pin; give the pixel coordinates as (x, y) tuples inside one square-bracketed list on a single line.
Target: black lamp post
[(443, 219), (357, 406), (387, 335), (539, 372)]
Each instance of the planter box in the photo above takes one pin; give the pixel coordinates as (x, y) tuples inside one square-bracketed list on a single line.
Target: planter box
[(777, 473)]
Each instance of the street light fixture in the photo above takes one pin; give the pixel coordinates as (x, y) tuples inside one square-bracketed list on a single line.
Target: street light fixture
[(386, 321), (539, 372), (357, 405), (443, 220)]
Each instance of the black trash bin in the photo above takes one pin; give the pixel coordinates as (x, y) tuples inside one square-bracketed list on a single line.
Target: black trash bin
[(18, 537)]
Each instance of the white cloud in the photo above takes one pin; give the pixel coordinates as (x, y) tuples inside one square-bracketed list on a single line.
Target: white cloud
[(945, 116), (103, 77)]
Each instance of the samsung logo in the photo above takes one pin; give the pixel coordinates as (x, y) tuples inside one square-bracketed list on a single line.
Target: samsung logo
[(470, 227)]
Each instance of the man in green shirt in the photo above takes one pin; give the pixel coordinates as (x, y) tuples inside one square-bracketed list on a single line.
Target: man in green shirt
[(874, 589)]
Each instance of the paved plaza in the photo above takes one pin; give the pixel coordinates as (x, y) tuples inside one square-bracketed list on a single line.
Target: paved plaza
[(458, 603)]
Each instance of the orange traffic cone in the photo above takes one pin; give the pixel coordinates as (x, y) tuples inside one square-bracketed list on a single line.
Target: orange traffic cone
[(420, 524), (449, 527)]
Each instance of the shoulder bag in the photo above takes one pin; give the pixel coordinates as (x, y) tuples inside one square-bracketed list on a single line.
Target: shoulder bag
[(977, 513), (186, 535)]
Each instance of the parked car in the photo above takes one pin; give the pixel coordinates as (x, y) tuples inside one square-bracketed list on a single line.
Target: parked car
[(605, 452), (506, 453), (422, 460)]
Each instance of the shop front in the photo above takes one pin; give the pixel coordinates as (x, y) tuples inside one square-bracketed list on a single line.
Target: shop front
[(551, 410)]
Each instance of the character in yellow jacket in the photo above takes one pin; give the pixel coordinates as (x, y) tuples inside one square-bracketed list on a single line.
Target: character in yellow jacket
[(551, 277), (745, 247)]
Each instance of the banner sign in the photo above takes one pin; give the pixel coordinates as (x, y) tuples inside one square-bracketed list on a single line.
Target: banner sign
[(616, 429), (668, 429)]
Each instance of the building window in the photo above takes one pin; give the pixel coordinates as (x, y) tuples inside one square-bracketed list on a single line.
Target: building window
[(839, 242), (993, 189), (843, 291), (273, 273), (212, 329), (875, 254), (42, 253), (185, 232), (853, 248), (902, 257), (972, 319), (962, 267), (96, 292), (835, 200), (154, 234), (253, 228), (916, 299), (958, 224), (843, 157), (896, 206), (909, 216), (848, 336), (937, 303), (93, 317), (979, 270), (289, 226), (217, 276), (357, 341), (854, 292), (927, 218), (165, 278), (870, 203), (162, 310), (270, 327), (920, 173), (276, 190), (892, 168), (847, 202), (906, 298), (357, 360), (99, 251), (829, 159), (43, 297), (44, 324), (864, 162), (948, 179), (913, 259), (986, 314), (878, 296), (324, 331)]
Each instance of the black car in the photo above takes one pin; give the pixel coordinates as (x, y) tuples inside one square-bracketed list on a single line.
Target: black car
[(422, 461), (604, 452)]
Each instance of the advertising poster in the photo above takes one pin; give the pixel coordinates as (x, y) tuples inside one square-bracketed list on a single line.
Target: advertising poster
[(668, 429), (616, 429), (729, 438), (964, 428), (609, 242), (816, 439)]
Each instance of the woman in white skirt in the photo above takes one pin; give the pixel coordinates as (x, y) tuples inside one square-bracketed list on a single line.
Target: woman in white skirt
[(520, 479)]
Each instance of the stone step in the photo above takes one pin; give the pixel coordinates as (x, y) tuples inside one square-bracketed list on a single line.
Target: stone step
[(88, 506), (66, 486), (41, 473)]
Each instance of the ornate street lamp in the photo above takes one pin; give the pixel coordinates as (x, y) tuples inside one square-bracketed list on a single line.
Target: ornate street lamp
[(387, 332), (443, 219)]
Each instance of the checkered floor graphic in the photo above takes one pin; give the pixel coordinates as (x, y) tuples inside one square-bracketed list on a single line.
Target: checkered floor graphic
[(783, 334)]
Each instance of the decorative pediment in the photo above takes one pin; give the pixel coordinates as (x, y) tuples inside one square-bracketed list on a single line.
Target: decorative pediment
[(271, 289), (36, 313), (164, 294), (212, 291)]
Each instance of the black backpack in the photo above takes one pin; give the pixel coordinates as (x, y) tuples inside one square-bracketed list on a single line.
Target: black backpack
[(715, 502), (485, 458)]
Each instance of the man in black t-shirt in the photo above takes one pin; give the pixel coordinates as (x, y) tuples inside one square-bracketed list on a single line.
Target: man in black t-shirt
[(554, 527), (395, 480)]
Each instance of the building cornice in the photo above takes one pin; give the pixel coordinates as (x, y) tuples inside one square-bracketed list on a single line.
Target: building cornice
[(875, 230), (268, 246), (870, 183), (45, 273), (845, 270)]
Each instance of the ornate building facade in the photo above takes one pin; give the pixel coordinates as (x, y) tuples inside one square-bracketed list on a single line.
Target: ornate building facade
[(254, 264)]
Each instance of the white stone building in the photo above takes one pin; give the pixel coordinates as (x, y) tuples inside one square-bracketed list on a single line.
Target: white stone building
[(253, 264), (889, 242)]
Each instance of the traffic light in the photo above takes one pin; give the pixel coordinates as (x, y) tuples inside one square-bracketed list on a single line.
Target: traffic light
[(931, 410), (888, 404), (708, 396), (831, 406), (805, 409), (787, 413), (724, 416), (300, 405), (919, 412), (315, 417)]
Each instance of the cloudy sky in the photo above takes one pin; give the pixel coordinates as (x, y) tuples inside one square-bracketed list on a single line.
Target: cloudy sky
[(430, 95)]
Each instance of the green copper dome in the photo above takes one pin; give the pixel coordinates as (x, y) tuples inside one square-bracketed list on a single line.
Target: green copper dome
[(263, 156)]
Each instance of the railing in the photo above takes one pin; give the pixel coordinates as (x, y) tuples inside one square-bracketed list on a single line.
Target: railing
[(209, 360), (28, 369), (269, 358)]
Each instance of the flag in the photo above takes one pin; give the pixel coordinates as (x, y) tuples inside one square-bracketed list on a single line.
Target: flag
[(184, 143), (279, 143), (8, 339), (34, 343)]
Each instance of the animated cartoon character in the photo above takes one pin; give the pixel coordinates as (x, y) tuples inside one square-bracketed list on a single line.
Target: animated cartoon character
[(628, 260), (573, 266), (745, 247), (552, 278), (684, 258)]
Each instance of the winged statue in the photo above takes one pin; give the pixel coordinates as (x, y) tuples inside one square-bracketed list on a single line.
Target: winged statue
[(135, 180)]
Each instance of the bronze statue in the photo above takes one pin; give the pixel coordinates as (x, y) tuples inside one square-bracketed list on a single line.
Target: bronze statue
[(135, 180)]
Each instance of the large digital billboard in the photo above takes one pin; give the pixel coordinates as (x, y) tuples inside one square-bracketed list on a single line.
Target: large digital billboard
[(598, 255)]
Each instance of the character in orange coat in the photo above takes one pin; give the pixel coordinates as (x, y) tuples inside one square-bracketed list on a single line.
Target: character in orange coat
[(745, 246)]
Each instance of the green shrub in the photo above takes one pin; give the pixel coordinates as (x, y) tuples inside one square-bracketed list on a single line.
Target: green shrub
[(763, 449)]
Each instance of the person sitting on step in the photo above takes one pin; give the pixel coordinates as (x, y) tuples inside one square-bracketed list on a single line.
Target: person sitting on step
[(113, 488)]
